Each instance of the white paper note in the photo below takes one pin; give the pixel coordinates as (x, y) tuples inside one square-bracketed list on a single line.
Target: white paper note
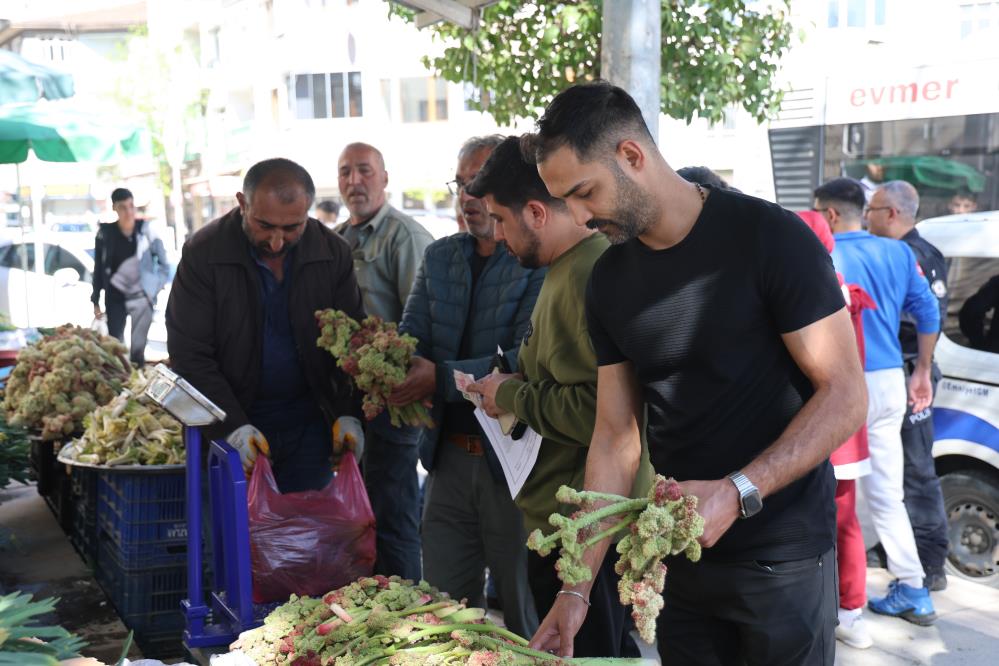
[(516, 456)]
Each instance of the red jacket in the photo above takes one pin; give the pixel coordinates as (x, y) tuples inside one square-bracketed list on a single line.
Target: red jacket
[(852, 459)]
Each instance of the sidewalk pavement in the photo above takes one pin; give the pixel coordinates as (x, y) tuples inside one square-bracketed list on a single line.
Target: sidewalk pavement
[(966, 632)]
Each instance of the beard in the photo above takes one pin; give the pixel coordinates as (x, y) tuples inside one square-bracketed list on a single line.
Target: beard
[(530, 256), (635, 211)]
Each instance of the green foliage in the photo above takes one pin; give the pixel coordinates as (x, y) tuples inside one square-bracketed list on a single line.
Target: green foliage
[(20, 633), (14, 449), (161, 86), (715, 53)]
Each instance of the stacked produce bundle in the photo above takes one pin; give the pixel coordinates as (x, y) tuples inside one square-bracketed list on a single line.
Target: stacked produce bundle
[(63, 377), (129, 430), (377, 356), (26, 643), (14, 447), (384, 621), (663, 523)]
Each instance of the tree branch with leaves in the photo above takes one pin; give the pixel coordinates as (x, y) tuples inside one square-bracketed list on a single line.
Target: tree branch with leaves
[(715, 54)]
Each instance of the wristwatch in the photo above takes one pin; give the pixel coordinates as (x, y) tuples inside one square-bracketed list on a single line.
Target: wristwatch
[(750, 501)]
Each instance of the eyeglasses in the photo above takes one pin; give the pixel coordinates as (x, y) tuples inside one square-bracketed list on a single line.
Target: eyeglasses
[(868, 209), (456, 186)]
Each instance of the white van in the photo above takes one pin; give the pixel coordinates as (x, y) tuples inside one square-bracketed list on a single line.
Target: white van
[(966, 407)]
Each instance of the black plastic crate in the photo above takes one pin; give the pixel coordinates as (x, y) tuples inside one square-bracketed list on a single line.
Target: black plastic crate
[(165, 645)]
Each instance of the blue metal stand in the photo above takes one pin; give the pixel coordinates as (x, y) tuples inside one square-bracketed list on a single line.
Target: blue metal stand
[(231, 611)]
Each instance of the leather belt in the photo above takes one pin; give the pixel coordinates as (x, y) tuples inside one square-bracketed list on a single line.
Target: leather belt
[(470, 444)]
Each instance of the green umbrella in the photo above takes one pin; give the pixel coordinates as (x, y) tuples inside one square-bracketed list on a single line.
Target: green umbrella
[(25, 81), (931, 171), (60, 133)]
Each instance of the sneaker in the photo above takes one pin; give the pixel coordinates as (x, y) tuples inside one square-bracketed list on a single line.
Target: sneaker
[(907, 602), (936, 580), (854, 633)]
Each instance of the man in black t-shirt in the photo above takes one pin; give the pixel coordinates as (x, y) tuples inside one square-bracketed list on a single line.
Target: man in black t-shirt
[(722, 314)]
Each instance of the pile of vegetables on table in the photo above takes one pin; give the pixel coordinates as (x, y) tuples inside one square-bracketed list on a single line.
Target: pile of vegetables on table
[(661, 524), (62, 378), (129, 430), (377, 356), (25, 642), (381, 620), (14, 451)]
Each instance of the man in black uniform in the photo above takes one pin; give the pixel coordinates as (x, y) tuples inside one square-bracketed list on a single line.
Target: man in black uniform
[(721, 314), (892, 214)]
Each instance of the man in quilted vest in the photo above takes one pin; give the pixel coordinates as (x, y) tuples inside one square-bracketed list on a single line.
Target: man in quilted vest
[(470, 297)]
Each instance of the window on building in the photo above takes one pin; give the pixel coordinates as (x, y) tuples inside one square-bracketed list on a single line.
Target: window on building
[(855, 13), (423, 99), (386, 89), (328, 95), (979, 17)]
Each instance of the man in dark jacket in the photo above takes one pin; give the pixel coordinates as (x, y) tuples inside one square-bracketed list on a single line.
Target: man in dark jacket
[(241, 325), (470, 296)]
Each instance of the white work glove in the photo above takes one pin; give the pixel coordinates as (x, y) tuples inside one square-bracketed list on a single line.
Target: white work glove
[(348, 435), (248, 441)]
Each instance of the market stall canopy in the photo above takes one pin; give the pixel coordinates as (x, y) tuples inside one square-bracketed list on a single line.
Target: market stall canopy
[(927, 171), (22, 80), (460, 12), (60, 133)]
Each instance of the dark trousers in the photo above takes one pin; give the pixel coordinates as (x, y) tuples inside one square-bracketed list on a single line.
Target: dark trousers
[(390, 458), (606, 630), (116, 314), (300, 452), (752, 613), (923, 496)]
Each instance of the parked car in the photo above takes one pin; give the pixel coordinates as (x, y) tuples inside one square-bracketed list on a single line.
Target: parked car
[(60, 293), (966, 407)]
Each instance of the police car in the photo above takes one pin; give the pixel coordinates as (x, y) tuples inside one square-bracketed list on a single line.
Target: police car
[(966, 407)]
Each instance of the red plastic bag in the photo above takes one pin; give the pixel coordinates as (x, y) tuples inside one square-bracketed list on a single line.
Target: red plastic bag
[(310, 542)]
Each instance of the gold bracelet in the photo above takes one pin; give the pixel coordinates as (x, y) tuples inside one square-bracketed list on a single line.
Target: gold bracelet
[(575, 594)]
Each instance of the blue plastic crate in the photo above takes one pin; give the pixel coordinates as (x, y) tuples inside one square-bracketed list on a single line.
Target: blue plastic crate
[(144, 516), (141, 497), (84, 536), (147, 599)]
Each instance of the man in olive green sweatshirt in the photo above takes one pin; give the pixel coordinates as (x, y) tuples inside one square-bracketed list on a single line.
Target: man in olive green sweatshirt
[(555, 392)]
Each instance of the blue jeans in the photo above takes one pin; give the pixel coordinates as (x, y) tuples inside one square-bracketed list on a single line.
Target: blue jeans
[(390, 458), (923, 496)]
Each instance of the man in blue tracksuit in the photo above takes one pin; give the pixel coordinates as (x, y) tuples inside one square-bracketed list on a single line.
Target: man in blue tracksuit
[(887, 270), (892, 214)]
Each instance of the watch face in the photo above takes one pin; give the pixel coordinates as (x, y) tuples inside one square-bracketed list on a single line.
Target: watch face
[(751, 504)]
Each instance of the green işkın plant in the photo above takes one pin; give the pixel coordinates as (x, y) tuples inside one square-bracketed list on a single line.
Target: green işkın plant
[(663, 523), (377, 357), (62, 378)]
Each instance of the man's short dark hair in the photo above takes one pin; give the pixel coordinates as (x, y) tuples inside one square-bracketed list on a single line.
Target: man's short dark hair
[(510, 179), (845, 192), (120, 194), (965, 194), (283, 175), (703, 176), (328, 206), (590, 118)]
